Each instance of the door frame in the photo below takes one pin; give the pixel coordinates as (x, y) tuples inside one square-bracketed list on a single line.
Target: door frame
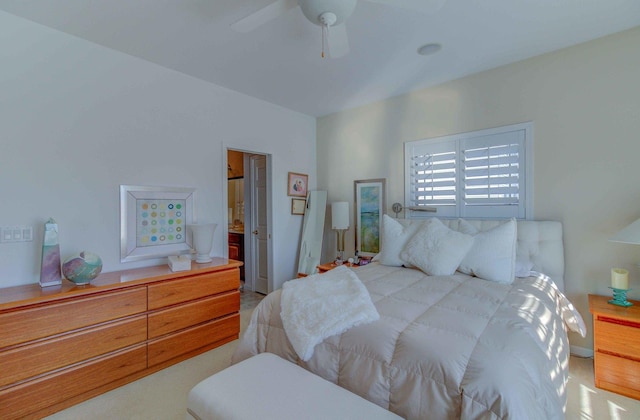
[(248, 186)]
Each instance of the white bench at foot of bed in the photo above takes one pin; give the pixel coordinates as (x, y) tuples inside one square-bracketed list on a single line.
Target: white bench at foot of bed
[(268, 387)]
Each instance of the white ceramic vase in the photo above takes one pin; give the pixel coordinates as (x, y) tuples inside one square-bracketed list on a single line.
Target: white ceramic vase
[(202, 235)]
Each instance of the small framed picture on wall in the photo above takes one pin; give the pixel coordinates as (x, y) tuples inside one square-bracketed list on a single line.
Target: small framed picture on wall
[(298, 205), (297, 185)]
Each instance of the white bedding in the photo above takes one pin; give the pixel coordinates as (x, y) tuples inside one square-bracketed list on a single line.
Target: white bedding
[(315, 307), (444, 346)]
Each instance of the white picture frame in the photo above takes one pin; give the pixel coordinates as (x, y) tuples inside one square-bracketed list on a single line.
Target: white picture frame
[(162, 231)]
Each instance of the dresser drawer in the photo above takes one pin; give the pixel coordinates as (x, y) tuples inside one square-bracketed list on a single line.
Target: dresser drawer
[(22, 362), (167, 348), (619, 337), (28, 397), (617, 374), (191, 288), (38, 322), (193, 313)]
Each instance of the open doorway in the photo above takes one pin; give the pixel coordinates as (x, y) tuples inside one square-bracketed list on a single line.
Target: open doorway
[(249, 216)]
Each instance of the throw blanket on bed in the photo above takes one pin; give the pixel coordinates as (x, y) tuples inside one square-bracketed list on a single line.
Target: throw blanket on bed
[(444, 346), (319, 306)]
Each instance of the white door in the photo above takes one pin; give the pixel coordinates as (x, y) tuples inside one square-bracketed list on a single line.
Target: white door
[(259, 237)]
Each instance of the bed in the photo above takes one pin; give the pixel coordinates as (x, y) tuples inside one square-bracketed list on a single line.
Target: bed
[(444, 346)]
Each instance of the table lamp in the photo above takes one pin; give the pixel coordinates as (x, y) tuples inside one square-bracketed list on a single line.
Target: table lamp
[(620, 276), (340, 223)]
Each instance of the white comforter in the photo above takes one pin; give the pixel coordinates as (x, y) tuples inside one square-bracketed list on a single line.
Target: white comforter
[(319, 306), (444, 347)]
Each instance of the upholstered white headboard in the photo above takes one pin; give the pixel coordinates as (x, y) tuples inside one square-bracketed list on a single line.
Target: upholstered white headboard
[(538, 241)]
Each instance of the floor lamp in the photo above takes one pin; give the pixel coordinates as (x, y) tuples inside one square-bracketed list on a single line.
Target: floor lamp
[(340, 223)]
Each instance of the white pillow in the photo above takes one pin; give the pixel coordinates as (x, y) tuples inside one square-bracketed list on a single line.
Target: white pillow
[(436, 249), (523, 267), (466, 227), (394, 237), (493, 254)]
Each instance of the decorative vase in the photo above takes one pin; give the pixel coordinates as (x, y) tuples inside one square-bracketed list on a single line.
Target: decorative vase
[(50, 268), (82, 268), (202, 235)]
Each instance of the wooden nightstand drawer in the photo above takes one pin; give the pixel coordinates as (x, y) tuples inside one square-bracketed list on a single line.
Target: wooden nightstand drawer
[(618, 374), (616, 336), (616, 346)]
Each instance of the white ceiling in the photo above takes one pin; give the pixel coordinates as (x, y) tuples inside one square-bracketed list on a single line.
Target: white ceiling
[(280, 61)]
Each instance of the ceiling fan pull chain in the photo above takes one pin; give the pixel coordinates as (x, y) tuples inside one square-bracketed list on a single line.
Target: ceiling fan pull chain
[(326, 19)]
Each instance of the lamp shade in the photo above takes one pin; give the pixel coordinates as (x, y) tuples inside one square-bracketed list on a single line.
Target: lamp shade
[(340, 215), (628, 235)]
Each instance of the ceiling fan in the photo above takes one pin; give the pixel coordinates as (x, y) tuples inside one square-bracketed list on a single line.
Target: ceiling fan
[(328, 14)]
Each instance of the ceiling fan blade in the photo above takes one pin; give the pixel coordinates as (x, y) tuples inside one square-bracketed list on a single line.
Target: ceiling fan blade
[(424, 6), (264, 15), (338, 41)]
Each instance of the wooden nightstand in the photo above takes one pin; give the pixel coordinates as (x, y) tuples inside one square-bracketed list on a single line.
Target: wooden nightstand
[(616, 345), (323, 268)]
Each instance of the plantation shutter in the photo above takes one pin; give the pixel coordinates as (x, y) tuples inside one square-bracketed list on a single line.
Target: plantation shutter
[(433, 181), (480, 174), (492, 174)]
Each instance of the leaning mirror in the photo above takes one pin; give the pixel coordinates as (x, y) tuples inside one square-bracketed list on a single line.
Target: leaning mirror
[(312, 232)]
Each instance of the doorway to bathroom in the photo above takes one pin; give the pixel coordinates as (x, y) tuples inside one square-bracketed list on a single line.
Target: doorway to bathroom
[(248, 216)]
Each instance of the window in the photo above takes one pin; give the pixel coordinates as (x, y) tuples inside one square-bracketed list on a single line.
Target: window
[(481, 174)]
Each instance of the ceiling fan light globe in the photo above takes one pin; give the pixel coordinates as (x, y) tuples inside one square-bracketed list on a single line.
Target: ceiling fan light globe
[(313, 9)]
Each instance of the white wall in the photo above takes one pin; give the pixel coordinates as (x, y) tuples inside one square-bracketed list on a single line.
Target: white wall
[(78, 120), (584, 102)]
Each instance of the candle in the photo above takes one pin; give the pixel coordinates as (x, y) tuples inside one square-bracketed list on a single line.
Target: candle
[(620, 278)]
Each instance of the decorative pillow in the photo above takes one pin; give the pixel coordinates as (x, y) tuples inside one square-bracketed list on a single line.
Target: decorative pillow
[(493, 254), (394, 237), (466, 227), (436, 249), (523, 267)]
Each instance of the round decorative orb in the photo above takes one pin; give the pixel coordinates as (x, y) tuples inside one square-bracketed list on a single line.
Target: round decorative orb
[(82, 268)]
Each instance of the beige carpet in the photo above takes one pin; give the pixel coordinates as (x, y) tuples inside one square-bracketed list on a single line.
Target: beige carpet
[(163, 395), (588, 402)]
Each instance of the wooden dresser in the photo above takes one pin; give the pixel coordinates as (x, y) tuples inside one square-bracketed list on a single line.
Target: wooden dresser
[(236, 249), (616, 346), (65, 344)]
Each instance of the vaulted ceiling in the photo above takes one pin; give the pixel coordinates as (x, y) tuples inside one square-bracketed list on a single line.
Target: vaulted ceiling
[(280, 61)]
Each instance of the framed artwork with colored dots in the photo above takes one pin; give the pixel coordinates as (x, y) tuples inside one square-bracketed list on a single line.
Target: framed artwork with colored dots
[(153, 221)]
